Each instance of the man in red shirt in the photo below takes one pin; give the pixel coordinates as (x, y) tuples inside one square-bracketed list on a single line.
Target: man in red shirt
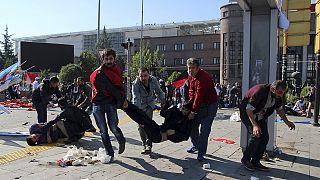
[(204, 108), (107, 95)]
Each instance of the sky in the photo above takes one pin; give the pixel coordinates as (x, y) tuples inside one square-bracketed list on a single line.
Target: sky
[(41, 17)]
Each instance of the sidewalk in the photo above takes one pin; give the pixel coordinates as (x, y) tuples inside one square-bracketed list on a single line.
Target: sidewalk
[(300, 158)]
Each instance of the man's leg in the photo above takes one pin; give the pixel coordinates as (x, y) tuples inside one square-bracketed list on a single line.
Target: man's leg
[(40, 112), (205, 130), (113, 121), (261, 148), (99, 116), (60, 125), (194, 135)]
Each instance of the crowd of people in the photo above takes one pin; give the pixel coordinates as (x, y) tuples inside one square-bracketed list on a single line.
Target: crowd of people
[(188, 111)]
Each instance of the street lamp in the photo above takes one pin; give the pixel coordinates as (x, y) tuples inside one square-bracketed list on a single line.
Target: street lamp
[(127, 45), (98, 30), (141, 34)]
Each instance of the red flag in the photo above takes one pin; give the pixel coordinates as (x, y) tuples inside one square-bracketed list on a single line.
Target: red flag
[(179, 83), (30, 77)]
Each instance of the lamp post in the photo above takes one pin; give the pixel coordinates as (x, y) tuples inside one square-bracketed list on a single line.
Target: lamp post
[(141, 34), (127, 45), (98, 30)]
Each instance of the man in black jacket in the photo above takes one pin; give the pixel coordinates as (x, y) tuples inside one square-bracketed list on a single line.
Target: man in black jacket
[(71, 124), (42, 95), (176, 127)]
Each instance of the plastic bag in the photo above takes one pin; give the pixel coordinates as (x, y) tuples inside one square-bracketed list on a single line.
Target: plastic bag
[(235, 117)]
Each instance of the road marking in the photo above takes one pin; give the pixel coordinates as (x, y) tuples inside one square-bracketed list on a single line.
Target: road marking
[(29, 151)]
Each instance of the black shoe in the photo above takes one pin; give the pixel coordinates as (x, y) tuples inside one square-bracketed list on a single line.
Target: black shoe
[(192, 150), (143, 150), (247, 164), (260, 167), (122, 147)]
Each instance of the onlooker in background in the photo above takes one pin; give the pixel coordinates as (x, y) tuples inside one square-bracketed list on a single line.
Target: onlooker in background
[(144, 89), (204, 98), (169, 92), (300, 107), (84, 97), (311, 97), (35, 83), (42, 95)]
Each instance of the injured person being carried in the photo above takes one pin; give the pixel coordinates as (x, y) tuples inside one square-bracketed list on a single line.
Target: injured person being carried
[(176, 127), (70, 125)]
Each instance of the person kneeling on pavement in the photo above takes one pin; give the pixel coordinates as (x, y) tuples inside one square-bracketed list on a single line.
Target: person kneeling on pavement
[(176, 127), (69, 125)]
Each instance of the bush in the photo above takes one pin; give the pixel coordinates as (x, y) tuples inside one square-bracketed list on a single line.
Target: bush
[(291, 99), (305, 91), (70, 72)]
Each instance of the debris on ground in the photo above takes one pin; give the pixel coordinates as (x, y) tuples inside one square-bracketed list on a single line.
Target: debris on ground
[(235, 117), (16, 103), (254, 178), (206, 166), (224, 140)]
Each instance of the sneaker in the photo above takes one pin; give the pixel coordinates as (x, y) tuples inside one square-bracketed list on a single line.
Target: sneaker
[(260, 167), (148, 150), (143, 150), (192, 150), (122, 146), (247, 164), (200, 157)]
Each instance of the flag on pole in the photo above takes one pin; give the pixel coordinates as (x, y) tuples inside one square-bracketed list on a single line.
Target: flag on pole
[(30, 77), (6, 72), (283, 20)]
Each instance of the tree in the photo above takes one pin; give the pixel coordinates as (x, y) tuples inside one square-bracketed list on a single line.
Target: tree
[(104, 41), (70, 72), (44, 73), (150, 60), (88, 63), (173, 76), (8, 57)]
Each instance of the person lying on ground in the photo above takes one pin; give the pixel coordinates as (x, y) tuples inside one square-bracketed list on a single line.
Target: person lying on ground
[(176, 127), (68, 126), (300, 107)]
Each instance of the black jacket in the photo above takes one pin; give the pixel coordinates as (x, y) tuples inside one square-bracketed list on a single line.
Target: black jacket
[(44, 93)]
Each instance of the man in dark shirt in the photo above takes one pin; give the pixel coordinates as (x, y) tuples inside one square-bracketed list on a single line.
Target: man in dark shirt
[(42, 95), (176, 127)]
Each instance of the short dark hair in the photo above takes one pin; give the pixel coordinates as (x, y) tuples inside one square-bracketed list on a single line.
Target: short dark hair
[(188, 105), (143, 69), (279, 84), (30, 142), (54, 80), (193, 61), (108, 52)]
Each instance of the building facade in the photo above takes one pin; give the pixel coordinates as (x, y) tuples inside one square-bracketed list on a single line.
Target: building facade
[(175, 51)]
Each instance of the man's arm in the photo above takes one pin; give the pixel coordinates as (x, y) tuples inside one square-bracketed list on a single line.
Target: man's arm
[(256, 130), (159, 91), (283, 116), (136, 96)]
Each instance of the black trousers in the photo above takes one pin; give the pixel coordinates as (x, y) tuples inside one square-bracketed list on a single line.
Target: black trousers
[(256, 146), (151, 128)]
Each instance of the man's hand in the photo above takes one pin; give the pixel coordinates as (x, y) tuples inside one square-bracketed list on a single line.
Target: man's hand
[(291, 125), (191, 115), (256, 131), (125, 104)]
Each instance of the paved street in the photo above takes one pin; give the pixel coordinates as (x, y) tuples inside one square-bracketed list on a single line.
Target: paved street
[(300, 158)]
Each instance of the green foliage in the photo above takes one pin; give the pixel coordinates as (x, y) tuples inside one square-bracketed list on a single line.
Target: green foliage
[(88, 63), (121, 61), (173, 76), (70, 72), (8, 52), (148, 59), (44, 73), (305, 91), (8, 62), (104, 40), (291, 99)]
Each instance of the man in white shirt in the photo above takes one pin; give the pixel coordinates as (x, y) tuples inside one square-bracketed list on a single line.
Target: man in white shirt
[(35, 83)]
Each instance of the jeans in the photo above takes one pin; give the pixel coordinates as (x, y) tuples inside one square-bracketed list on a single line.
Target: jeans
[(41, 111), (99, 112), (200, 140), (256, 146), (143, 135)]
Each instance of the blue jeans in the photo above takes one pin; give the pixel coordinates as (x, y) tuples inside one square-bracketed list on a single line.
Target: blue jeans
[(200, 140), (99, 112)]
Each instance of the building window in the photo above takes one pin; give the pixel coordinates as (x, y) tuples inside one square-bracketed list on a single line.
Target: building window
[(200, 60), (163, 62), (197, 46), (161, 47), (233, 13), (178, 61), (216, 45), (216, 60), (179, 47), (225, 14)]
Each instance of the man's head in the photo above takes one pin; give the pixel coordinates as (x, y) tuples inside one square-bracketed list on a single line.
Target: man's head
[(144, 75), (193, 66), (33, 139), (186, 108), (108, 57), (80, 81), (62, 102), (278, 88), (54, 82), (37, 79)]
